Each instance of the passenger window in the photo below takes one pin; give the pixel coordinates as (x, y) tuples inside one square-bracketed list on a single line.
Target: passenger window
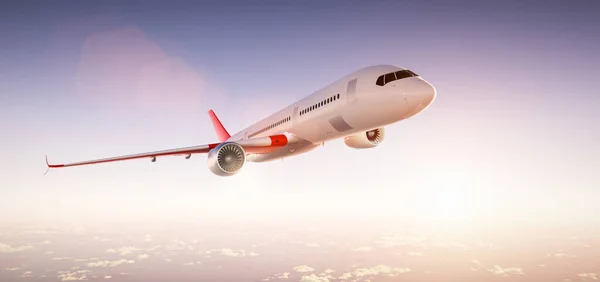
[(338, 96), (390, 77), (379, 81)]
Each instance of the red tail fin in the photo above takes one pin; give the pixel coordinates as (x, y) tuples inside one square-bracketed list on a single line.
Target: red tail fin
[(222, 133)]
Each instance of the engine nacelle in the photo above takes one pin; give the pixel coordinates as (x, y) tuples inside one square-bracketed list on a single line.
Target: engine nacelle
[(226, 159), (368, 139)]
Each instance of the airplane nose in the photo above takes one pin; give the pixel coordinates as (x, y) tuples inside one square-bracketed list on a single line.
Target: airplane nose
[(421, 96), (428, 94)]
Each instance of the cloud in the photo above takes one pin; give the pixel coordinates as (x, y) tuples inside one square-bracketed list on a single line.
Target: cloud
[(12, 268), (107, 263), (303, 268), (375, 270), (124, 66), (61, 258), (143, 256), (588, 276), (313, 278), (5, 248), (73, 275), (232, 253), (561, 255), (27, 274), (415, 254), (497, 270), (107, 277), (80, 259), (362, 249), (284, 275), (124, 250)]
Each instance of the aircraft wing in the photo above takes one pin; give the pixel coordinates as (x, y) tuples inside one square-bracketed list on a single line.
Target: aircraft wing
[(258, 145)]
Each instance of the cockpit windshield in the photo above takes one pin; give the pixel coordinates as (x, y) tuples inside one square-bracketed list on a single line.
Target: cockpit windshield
[(389, 77)]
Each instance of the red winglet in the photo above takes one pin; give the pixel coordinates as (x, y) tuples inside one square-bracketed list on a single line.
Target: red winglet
[(53, 166), (222, 133)]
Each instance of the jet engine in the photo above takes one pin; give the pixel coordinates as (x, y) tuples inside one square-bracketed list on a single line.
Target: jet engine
[(368, 139), (226, 159)]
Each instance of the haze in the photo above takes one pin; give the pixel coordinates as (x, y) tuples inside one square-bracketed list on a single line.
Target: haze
[(497, 178)]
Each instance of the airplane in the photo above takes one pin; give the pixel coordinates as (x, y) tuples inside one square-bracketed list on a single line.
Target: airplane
[(356, 107)]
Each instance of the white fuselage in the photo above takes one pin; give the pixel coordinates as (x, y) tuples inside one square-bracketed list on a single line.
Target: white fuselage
[(351, 105)]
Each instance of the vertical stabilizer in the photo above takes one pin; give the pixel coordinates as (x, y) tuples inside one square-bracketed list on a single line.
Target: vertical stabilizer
[(222, 133)]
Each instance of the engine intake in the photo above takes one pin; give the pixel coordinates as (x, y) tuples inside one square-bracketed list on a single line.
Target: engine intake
[(368, 139), (226, 159)]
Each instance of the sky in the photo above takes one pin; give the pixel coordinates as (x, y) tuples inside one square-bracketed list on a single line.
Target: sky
[(512, 135)]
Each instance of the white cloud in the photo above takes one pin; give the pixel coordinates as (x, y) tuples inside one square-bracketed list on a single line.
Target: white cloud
[(124, 250), (588, 276), (232, 253), (329, 270), (313, 278), (303, 268), (5, 248), (107, 263), (284, 275), (375, 270), (561, 255), (27, 274), (12, 268), (415, 254), (143, 256), (73, 275), (497, 270), (362, 249), (107, 277), (61, 258)]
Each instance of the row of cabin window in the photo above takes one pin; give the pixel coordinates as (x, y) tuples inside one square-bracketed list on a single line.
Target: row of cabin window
[(389, 77), (271, 126), (320, 104)]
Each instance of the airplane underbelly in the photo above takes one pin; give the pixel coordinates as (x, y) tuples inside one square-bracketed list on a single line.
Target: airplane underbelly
[(289, 150)]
